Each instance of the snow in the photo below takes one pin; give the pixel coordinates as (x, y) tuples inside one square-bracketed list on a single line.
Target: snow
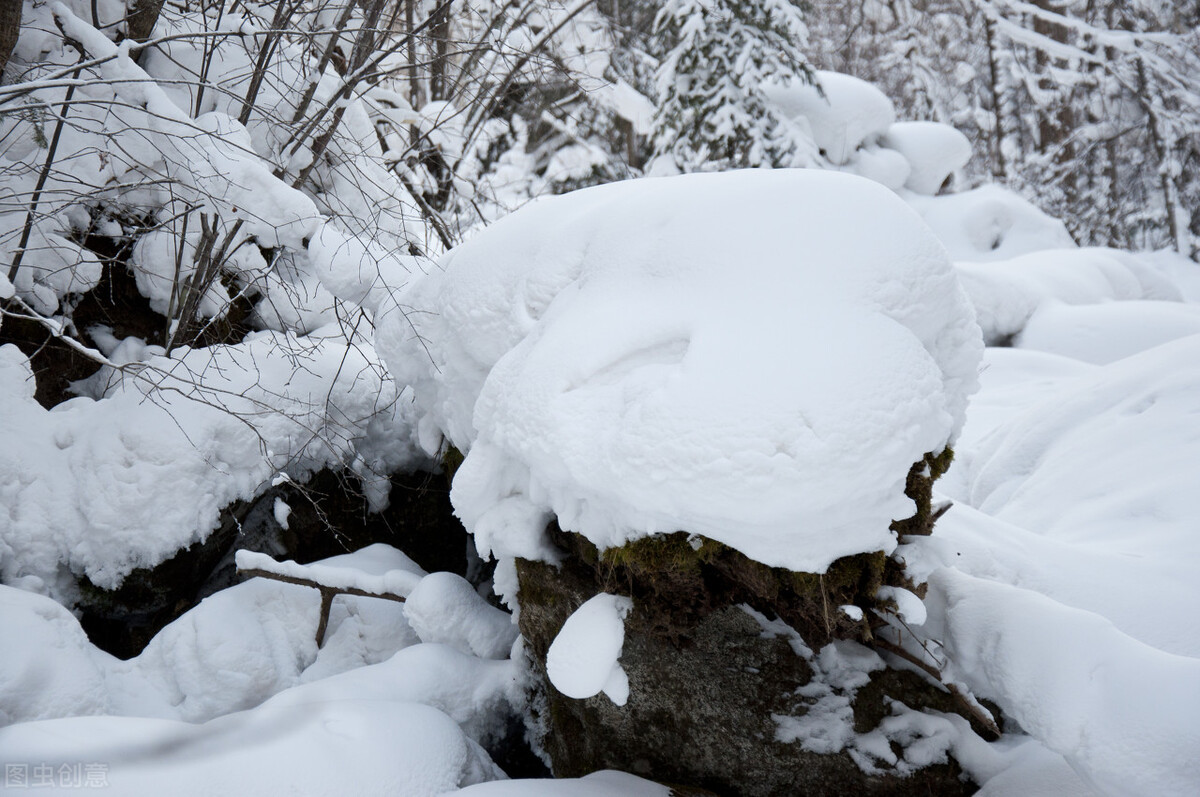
[(400, 581), (583, 658), (234, 650), (989, 223), (904, 741), (1007, 293), (1121, 712), (367, 747), (718, 353), (235, 695), (843, 114), (933, 150), (754, 357), (127, 480), (445, 608), (280, 510), (908, 606), (605, 783), (1104, 333)]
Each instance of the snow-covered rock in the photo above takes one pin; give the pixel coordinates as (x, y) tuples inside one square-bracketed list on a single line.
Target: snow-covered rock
[(989, 223), (933, 150), (757, 357), (1007, 293), (844, 113)]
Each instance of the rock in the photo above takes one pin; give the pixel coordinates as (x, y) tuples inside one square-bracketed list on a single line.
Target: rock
[(329, 516), (743, 679)]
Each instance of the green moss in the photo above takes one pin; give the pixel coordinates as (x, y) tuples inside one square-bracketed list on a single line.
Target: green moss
[(684, 577)]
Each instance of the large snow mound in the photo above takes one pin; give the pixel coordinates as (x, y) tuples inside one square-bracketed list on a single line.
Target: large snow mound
[(754, 356), (333, 747), (1104, 333), (1122, 713)]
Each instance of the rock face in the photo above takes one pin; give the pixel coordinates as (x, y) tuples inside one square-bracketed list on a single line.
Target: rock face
[(328, 517), (710, 675)]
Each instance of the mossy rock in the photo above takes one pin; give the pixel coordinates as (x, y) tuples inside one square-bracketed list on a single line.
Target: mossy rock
[(706, 683), (702, 702)]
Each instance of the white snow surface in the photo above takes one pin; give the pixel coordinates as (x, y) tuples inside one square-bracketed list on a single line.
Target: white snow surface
[(605, 783), (327, 748), (1064, 579), (1122, 713), (234, 695), (400, 581), (989, 223), (100, 487), (583, 658), (1007, 293), (739, 355), (232, 651), (445, 608), (1105, 333), (933, 150), (844, 113)]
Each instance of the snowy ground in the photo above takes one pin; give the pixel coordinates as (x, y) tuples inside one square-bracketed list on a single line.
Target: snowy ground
[(1062, 581), (1062, 588)]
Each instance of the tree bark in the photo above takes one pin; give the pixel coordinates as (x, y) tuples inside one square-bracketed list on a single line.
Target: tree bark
[(10, 27)]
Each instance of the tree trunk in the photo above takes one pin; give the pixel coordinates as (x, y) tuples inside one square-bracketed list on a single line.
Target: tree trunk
[(141, 19), (10, 27)]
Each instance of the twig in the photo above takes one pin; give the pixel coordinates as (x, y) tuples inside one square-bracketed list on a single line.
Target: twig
[(984, 719)]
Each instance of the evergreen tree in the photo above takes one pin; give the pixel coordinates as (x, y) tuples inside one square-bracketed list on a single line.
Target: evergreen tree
[(713, 114)]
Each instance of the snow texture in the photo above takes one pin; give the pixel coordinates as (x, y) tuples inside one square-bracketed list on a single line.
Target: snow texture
[(718, 353), (989, 223), (1007, 293), (236, 649), (934, 152), (400, 581), (605, 783), (374, 710), (100, 487), (583, 658), (1122, 713), (445, 608), (325, 748), (844, 113)]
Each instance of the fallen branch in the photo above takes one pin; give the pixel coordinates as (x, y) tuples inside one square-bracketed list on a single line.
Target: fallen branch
[(974, 711), (327, 593)]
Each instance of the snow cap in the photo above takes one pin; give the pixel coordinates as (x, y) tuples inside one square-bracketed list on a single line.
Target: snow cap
[(755, 356)]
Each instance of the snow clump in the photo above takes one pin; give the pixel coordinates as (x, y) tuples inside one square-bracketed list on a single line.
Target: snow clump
[(582, 660), (757, 357)]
